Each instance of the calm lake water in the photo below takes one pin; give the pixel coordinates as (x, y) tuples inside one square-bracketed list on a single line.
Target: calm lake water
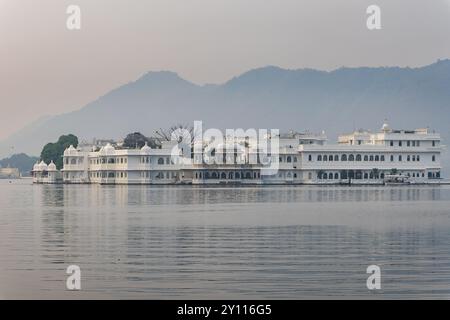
[(186, 242)]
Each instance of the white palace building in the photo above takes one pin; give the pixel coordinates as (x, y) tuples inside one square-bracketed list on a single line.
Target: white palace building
[(361, 157)]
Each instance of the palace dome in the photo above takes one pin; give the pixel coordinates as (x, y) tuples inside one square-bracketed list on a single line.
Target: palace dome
[(108, 149), (146, 148), (69, 150), (42, 166), (51, 166), (385, 127), (36, 166)]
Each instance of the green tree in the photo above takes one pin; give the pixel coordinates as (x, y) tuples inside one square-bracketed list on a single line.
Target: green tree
[(137, 140), (54, 151)]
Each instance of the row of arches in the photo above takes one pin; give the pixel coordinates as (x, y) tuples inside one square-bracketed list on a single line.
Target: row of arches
[(351, 157), (350, 174), (159, 161), (231, 175), (289, 159)]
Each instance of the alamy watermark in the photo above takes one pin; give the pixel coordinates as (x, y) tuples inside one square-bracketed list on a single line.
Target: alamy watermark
[(374, 280), (73, 281), (73, 21), (234, 147), (373, 21)]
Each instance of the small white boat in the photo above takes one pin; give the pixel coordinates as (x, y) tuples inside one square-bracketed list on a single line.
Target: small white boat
[(396, 179)]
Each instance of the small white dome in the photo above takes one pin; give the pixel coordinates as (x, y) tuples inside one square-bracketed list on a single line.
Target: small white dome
[(42, 166), (51, 166), (385, 126), (36, 166), (108, 149), (146, 148), (70, 150)]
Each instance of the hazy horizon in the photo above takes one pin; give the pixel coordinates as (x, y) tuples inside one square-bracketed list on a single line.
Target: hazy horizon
[(50, 70)]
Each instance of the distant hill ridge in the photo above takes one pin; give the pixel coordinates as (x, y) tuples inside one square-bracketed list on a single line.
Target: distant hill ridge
[(270, 97)]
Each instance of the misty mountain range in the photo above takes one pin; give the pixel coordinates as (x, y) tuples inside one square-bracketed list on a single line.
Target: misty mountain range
[(338, 101)]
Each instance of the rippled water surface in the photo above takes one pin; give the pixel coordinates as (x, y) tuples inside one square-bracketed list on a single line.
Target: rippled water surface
[(187, 242)]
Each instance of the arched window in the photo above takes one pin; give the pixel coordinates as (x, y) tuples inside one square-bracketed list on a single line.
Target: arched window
[(309, 158), (330, 158), (73, 161), (214, 175), (248, 175), (325, 176), (330, 176), (223, 175), (371, 158), (336, 176), (358, 157), (336, 158), (319, 157), (351, 158), (160, 160), (366, 158), (366, 176), (382, 158), (325, 158), (344, 157), (377, 158), (237, 175), (289, 159), (230, 175)]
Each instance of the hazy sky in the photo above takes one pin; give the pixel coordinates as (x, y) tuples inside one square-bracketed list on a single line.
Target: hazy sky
[(47, 69)]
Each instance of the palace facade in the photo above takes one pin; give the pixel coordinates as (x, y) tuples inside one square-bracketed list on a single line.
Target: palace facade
[(361, 157)]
